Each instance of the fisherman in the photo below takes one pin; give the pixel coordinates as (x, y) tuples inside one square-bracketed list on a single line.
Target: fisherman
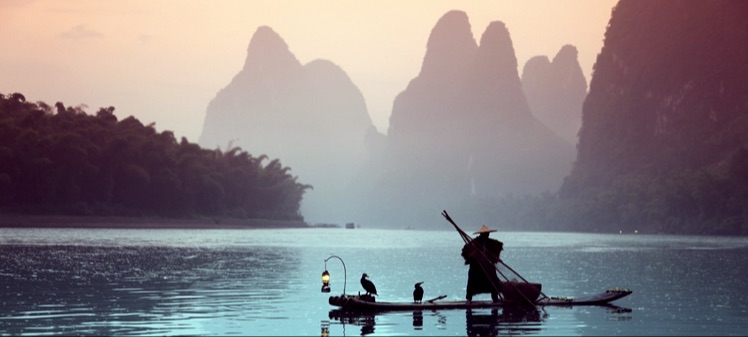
[(482, 254)]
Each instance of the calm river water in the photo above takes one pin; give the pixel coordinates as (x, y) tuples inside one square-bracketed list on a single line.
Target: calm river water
[(267, 282)]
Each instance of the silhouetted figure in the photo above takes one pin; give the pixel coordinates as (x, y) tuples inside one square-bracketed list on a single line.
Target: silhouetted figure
[(418, 293), (482, 254), (368, 285)]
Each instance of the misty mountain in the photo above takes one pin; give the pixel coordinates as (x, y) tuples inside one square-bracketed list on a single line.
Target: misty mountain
[(663, 145), (555, 91), (463, 130), (310, 116)]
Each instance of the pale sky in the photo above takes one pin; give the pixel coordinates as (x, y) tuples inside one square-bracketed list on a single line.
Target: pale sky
[(163, 61)]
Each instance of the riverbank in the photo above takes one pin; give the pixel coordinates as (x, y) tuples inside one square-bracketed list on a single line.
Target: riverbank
[(64, 221)]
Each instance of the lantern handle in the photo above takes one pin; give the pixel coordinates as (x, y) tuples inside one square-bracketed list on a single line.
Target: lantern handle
[(345, 276)]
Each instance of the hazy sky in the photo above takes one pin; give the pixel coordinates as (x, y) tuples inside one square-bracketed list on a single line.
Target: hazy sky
[(164, 60)]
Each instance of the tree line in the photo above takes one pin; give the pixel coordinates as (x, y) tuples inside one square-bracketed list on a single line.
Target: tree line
[(712, 201), (61, 160)]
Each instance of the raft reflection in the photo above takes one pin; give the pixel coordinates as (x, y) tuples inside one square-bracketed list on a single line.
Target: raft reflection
[(512, 320), (364, 319), (479, 322)]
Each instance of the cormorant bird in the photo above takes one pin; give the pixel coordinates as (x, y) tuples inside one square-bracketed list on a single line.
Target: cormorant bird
[(368, 285), (418, 293)]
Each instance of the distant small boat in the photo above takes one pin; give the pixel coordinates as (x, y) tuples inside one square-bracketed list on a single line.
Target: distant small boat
[(350, 225)]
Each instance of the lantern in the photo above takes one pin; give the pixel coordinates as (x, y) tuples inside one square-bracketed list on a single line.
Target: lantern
[(326, 275), (325, 282)]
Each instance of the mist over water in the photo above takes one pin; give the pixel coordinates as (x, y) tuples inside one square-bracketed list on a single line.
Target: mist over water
[(267, 282)]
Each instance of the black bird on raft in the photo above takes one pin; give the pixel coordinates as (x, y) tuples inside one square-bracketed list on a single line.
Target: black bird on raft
[(368, 285), (418, 293)]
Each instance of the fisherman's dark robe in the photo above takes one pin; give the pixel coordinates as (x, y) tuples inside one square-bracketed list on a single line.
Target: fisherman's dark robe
[(479, 281)]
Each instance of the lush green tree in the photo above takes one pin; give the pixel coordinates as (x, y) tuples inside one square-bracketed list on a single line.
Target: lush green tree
[(62, 160)]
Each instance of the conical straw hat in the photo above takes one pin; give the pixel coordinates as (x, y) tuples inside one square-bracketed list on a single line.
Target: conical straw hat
[(485, 229)]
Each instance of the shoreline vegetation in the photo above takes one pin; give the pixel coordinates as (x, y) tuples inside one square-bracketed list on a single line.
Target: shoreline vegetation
[(61, 160), (124, 222)]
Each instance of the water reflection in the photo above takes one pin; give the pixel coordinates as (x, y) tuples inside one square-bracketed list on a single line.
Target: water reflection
[(512, 320), (364, 319), (134, 290), (618, 313), (325, 327), (417, 320), (478, 322)]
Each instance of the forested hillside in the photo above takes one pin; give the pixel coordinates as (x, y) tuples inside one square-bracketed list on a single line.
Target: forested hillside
[(60, 160), (664, 141)]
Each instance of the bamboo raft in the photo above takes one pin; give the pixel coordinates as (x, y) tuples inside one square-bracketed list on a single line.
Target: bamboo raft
[(355, 302)]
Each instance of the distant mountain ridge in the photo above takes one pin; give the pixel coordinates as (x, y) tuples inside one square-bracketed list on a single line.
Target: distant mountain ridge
[(463, 130), (312, 117), (555, 91)]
